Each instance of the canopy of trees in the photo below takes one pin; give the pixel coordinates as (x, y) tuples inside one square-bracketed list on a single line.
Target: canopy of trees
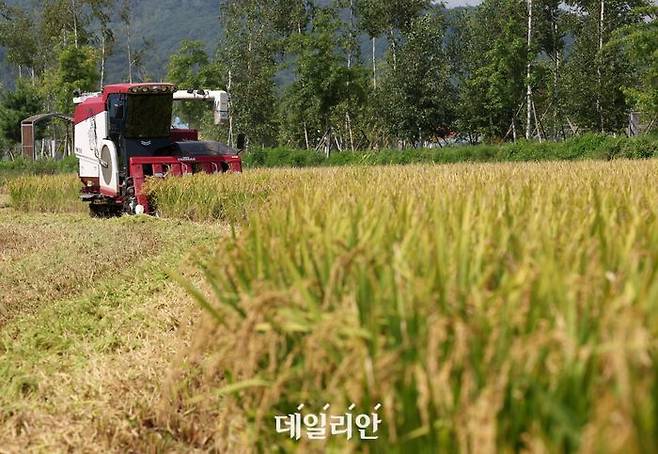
[(312, 73)]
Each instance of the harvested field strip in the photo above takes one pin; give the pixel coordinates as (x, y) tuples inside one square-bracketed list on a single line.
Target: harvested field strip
[(87, 373), (84, 373), (488, 307), (45, 258)]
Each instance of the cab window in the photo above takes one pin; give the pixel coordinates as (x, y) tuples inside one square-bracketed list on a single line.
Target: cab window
[(116, 106)]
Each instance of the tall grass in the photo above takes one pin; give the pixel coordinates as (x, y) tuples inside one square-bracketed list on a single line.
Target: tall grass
[(488, 307), (46, 193)]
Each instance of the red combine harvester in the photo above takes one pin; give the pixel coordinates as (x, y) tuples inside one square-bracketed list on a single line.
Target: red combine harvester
[(124, 135)]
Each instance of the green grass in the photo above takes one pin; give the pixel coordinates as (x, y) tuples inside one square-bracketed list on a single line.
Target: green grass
[(488, 307), (589, 146), (22, 167)]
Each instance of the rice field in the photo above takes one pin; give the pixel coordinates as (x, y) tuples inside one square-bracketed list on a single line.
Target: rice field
[(229, 197), (487, 307), (46, 194)]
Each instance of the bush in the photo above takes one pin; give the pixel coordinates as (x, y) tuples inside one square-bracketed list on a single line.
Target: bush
[(40, 167), (20, 166), (588, 146)]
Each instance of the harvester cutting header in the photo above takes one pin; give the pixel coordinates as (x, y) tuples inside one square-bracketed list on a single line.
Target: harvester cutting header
[(124, 135)]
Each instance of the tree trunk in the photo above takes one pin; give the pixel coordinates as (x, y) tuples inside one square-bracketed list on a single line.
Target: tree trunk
[(394, 50), (528, 125), (557, 116), (102, 81), (306, 135), (374, 62), (599, 64), (350, 50), (75, 23), (514, 129), (230, 109), (130, 56), (537, 122), (349, 66), (349, 129)]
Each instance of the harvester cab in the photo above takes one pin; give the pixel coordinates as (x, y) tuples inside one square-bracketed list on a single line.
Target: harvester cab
[(124, 135)]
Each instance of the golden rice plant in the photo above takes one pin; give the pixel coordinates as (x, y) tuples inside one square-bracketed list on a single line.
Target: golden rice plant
[(487, 307), (46, 193), (204, 197)]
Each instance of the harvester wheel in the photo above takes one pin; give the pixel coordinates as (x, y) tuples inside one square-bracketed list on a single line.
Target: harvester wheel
[(103, 211)]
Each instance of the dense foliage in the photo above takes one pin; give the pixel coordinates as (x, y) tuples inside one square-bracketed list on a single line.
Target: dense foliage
[(22, 167), (356, 74), (586, 147)]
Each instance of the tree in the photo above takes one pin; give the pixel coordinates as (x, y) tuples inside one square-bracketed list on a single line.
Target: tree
[(417, 98), (493, 85), (101, 11), (31, 35), (639, 43), (529, 101), (246, 59), (76, 70), (136, 56), (18, 34), (372, 18), (598, 69), (15, 106), (379, 17), (190, 68), (126, 17), (551, 25), (324, 88)]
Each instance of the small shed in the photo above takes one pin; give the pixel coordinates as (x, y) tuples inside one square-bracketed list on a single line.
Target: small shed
[(29, 138)]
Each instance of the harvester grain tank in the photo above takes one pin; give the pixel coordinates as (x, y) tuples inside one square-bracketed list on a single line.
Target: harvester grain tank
[(123, 135)]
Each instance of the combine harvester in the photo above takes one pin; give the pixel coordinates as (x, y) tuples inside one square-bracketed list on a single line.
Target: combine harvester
[(124, 135)]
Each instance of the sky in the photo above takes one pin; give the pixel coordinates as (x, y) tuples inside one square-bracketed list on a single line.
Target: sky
[(461, 2)]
